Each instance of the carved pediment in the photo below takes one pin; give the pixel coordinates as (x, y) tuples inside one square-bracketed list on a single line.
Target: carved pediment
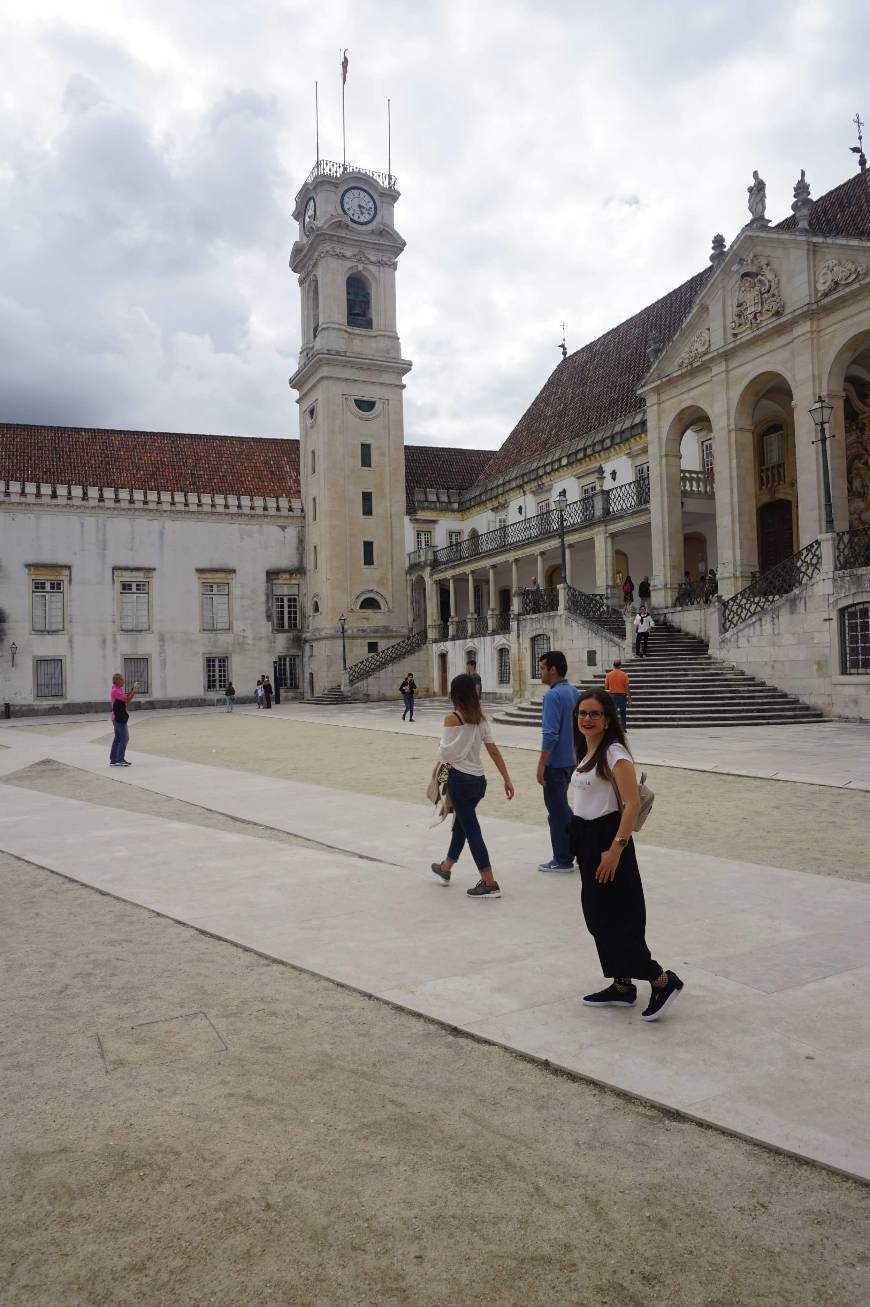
[(698, 345), (837, 272), (755, 296)]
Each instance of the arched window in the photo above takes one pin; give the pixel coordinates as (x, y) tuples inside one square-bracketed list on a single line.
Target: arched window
[(504, 666), (359, 302), (370, 604), (473, 541), (315, 307), (315, 607)]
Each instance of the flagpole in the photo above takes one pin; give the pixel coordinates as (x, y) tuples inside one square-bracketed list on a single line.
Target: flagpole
[(343, 136), (317, 123), (389, 146)]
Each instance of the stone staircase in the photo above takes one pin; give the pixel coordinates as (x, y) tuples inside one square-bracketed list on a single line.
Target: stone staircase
[(679, 684)]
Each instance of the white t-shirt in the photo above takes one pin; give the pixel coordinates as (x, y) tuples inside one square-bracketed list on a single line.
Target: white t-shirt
[(460, 746), (591, 795), (644, 623)]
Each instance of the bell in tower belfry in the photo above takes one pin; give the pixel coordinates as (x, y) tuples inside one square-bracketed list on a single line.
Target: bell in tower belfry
[(349, 383)]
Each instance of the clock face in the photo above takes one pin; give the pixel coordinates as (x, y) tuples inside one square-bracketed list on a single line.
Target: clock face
[(359, 206), (309, 215)]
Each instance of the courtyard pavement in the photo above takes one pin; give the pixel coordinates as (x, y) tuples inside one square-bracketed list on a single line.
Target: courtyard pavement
[(770, 1040)]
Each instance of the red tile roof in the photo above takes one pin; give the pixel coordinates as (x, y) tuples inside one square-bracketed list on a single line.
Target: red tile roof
[(434, 467), (149, 460), (844, 211)]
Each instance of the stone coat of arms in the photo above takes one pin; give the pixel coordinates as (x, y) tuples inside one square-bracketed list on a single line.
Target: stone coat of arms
[(757, 296)]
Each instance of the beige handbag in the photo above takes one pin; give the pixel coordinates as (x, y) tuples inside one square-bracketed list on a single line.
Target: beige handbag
[(647, 798)]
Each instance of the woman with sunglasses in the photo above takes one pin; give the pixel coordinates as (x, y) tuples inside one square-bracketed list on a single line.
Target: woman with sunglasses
[(606, 803)]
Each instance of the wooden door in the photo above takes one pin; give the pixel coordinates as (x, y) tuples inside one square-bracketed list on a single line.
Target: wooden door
[(775, 533), (442, 674)]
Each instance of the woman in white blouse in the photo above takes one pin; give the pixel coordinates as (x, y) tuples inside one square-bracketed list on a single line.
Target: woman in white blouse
[(465, 729), (606, 803)]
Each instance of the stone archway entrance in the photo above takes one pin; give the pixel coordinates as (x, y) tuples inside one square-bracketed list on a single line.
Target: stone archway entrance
[(775, 533)]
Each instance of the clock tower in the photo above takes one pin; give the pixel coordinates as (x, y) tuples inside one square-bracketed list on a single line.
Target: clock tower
[(352, 445)]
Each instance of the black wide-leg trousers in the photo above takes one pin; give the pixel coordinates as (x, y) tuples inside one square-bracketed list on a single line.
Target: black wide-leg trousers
[(615, 912)]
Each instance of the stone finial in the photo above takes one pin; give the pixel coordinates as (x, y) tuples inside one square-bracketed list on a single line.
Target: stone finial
[(717, 253), (757, 201), (654, 346), (803, 205)]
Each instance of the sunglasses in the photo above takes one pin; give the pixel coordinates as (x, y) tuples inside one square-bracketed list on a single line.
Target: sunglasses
[(594, 716)]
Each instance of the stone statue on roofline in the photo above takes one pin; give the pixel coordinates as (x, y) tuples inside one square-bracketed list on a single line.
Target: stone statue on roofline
[(757, 193)]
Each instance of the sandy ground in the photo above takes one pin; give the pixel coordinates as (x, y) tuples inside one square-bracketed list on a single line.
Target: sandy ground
[(774, 823), (184, 1122)]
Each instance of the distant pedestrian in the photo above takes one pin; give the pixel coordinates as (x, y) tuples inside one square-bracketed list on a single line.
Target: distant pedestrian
[(606, 803), (465, 729), (119, 698), (267, 692), (556, 761), (407, 690), (643, 624), (471, 670), (711, 586), (230, 696), (685, 593), (258, 692), (628, 592), (644, 593), (618, 686)]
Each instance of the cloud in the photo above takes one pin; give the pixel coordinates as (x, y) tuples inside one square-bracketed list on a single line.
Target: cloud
[(563, 161)]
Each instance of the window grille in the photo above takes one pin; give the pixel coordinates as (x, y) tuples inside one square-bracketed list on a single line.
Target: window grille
[(424, 539), (49, 678), (285, 608), (48, 605), (504, 666), (215, 605), (134, 605), (136, 669), (540, 646), (217, 673), (367, 503), (288, 671), (365, 454), (855, 640), (368, 553)]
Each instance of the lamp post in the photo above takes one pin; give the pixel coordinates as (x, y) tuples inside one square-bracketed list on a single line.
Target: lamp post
[(13, 650), (342, 621), (560, 501), (821, 414)]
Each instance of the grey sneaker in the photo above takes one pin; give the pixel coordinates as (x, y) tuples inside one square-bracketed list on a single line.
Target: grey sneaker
[(443, 876), (483, 891)]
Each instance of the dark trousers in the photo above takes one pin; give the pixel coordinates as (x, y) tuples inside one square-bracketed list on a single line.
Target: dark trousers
[(620, 700), (641, 644), (118, 750), (267, 695), (615, 912), (466, 792), (556, 780)]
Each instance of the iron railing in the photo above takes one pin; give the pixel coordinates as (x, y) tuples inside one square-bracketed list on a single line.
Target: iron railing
[(537, 600), (852, 549), (595, 609), (384, 657), (478, 625), (701, 591), (628, 498), (765, 588), (327, 168), (460, 628), (441, 631), (502, 624)]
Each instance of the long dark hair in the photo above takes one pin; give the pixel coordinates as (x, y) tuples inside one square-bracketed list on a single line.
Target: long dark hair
[(613, 732), (463, 696)]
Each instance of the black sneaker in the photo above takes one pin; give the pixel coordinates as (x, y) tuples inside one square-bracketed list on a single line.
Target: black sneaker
[(612, 997), (443, 876), (662, 996), (483, 891)]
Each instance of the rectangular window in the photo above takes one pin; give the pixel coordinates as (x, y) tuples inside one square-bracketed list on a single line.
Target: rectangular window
[(367, 504), (288, 671), (773, 447), (707, 456), (454, 537), (285, 607), (48, 678), (372, 646), (855, 640), (47, 606), (215, 597), (502, 524), (588, 490), (137, 669), (217, 673), (641, 472), (504, 666), (135, 605), (368, 553), (365, 454), (314, 509), (543, 506), (424, 539)]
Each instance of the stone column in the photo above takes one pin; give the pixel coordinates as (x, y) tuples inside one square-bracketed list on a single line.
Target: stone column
[(736, 514), (666, 508), (603, 561), (471, 610), (837, 461), (540, 560), (492, 611), (568, 578), (452, 622)]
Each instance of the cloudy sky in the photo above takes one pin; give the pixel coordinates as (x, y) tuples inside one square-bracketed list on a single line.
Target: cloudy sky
[(556, 160)]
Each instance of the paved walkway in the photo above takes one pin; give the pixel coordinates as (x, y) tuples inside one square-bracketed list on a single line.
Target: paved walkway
[(771, 1038)]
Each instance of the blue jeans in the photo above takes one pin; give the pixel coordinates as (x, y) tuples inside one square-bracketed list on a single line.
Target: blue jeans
[(465, 792), (409, 704), (119, 744), (558, 811), (231, 703), (620, 700)]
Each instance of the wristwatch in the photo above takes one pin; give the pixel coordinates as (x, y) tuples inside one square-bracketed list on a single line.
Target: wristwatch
[(622, 843)]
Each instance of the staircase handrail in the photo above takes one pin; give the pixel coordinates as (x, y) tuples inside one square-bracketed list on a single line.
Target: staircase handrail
[(594, 609), (852, 549), (539, 599), (767, 587), (384, 657)]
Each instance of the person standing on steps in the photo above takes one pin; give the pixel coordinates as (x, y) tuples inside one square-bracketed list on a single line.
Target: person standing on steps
[(618, 686), (465, 729), (627, 592), (644, 593), (119, 698), (606, 804), (557, 759), (407, 690), (643, 624)]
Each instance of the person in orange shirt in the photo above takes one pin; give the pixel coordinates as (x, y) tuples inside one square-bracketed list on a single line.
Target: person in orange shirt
[(617, 684)]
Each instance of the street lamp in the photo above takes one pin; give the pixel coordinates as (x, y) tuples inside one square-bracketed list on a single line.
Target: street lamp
[(342, 621), (560, 501), (821, 414), (13, 650)]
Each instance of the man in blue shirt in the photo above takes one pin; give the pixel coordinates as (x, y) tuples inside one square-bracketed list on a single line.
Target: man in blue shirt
[(558, 760)]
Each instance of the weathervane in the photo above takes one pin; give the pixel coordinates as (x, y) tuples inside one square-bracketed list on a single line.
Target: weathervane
[(563, 347), (859, 148)]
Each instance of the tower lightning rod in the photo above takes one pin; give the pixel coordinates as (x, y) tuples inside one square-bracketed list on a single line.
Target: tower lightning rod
[(317, 123), (389, 146)]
